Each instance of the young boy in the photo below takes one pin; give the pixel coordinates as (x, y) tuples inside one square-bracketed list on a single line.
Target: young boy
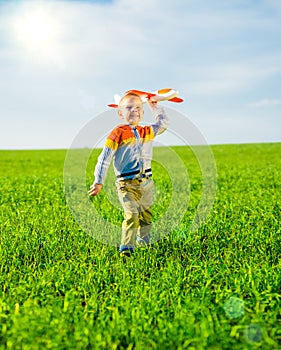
[(130, 145)]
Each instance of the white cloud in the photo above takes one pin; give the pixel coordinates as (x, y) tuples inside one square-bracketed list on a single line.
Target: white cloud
[(213, 50), (265, 102), (233, 77)]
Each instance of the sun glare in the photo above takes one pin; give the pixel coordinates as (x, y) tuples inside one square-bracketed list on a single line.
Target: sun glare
[(38, 32)]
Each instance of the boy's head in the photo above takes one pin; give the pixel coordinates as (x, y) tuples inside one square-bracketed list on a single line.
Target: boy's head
[(130, 109)]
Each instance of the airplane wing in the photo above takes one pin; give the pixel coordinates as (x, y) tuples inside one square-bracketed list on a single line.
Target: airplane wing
[(159, 95)]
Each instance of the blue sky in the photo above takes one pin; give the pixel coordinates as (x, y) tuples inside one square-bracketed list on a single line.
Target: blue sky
[(62, 61)]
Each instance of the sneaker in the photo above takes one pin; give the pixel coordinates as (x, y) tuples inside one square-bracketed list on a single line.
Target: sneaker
[(126, 251), (125, 254), (142, 242)]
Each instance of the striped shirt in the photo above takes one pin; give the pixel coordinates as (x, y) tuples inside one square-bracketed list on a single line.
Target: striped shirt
[(130, 148)]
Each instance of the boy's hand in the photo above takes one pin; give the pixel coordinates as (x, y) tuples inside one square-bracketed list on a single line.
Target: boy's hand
[(152, 104), (94, 190)]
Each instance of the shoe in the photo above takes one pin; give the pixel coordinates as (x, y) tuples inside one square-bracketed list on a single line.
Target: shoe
[(142, 242), (125, 254), (126, 251)]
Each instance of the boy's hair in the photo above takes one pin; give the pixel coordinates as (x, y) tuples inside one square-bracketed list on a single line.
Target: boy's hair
[(130, 94)]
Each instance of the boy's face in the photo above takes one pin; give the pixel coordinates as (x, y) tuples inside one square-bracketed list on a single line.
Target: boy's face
[(131, 110)]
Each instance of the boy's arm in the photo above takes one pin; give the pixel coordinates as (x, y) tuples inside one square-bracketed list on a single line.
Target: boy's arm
[(162, 120), (101, 169)]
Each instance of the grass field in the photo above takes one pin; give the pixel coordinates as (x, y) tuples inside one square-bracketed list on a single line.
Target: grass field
[(218, 287)]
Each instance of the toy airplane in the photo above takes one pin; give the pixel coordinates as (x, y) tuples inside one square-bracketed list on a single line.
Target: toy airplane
[(158, 95)]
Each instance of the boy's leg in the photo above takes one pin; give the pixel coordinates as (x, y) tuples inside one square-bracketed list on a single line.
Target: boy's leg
[(145, 226), (129, 198), (145, 216), (130, 228)]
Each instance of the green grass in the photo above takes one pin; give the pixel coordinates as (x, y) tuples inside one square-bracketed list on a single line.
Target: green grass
[(215, 288)]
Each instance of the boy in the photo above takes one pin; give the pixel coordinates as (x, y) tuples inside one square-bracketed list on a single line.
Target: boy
[(130, 145)]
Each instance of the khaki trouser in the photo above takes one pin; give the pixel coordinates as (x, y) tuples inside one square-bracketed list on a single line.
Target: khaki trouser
[(136, 198)]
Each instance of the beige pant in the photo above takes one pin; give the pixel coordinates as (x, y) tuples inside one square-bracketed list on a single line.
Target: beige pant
[(136, 198)]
